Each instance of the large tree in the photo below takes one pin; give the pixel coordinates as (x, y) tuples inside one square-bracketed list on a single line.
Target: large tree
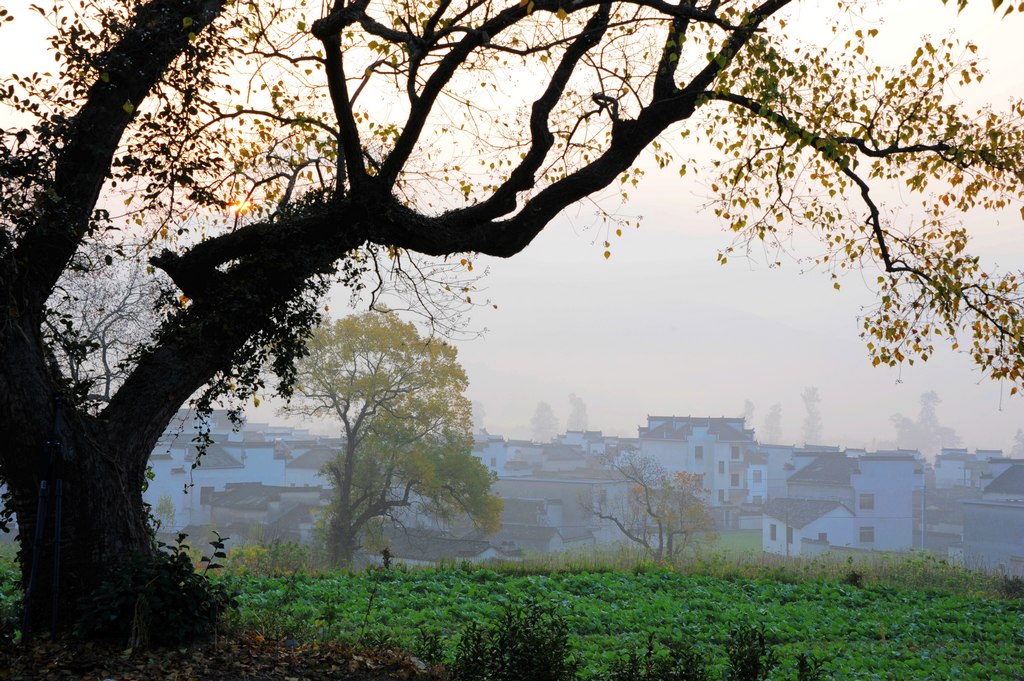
[(405, 426), (345, 142)]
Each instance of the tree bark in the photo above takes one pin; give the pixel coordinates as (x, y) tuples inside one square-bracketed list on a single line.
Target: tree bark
[(98, 482)]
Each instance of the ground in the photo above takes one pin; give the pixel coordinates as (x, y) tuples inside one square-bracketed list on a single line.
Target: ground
[(242, 657)]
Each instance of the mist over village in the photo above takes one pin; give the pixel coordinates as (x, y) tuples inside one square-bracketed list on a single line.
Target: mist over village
[(511, 340), (575, 489)]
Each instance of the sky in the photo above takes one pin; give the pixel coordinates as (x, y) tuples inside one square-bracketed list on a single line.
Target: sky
[(661, 328)]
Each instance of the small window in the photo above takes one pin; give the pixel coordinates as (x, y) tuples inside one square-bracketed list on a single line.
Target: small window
[(721, 495), (772, 532), (789, 535), (867, 535), (734, 479), (721, 467), (698, 453), (823, 537), (758, 500), (735, 452), (758, 475), (494, 462), (867, 502)]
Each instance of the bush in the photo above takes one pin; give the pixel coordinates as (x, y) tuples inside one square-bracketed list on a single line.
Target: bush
[(676, 664), (10, 603), (750, 657), (1011, 586), (529, 641), (162, 589)]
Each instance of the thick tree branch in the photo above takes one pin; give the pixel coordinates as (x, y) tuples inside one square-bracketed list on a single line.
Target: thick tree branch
[(133, 66)]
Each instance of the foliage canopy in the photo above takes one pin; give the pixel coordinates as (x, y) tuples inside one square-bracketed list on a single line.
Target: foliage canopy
[(405, 427)]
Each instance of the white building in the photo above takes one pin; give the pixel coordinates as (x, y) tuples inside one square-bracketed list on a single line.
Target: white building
[(720, 450), (868, 502), (994, 524), (796, 527)]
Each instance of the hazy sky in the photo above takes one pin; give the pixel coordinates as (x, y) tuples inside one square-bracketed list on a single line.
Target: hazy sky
[(661, 328)]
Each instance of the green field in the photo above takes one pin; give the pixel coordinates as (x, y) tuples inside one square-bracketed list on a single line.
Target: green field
[(873, 632)]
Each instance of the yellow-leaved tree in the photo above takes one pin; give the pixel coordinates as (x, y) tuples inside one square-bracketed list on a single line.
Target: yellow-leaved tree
[(406, 453)]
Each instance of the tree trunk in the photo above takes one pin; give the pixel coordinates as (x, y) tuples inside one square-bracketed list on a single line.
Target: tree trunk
[(341, 542), (96, 480), (101, 522)]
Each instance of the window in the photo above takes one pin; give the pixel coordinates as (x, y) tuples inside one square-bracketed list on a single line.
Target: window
[(721, 495), (867, 502), (867, 535), (698, 453), (758, 500), (735, 451), (772, 531), (734, 479), (823, 537), (494, 462), (789, 535), (721, 467), (758, 475)]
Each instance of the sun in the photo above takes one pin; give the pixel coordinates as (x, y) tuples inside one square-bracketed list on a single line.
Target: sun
[(240, 207)]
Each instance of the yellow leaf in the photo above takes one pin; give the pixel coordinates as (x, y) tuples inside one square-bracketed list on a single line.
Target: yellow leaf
[(607, 254), (562, 14)]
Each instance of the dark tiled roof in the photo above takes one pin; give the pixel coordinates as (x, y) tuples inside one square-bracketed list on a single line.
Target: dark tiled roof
[(756, 457), (293, 518), (681, 428), (1011, 481), (831, 470), (315, 459), (562, 452), (528, 533), (430, 546), (799, 512), (214, 457), (519, 510), (255, 496), (576, 534)]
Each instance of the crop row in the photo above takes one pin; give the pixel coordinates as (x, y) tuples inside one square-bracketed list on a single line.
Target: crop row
[(860, 633)]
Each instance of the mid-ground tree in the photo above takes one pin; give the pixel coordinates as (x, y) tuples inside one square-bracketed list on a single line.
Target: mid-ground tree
[(664, 512), (406, 453), (263, 151)]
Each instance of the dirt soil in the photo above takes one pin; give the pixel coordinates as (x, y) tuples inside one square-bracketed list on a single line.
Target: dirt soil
[(243, 657)]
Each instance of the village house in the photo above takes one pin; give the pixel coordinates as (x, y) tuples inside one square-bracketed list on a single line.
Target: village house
[(860, 501), (720, 450), (536, 507), (994, 524)]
